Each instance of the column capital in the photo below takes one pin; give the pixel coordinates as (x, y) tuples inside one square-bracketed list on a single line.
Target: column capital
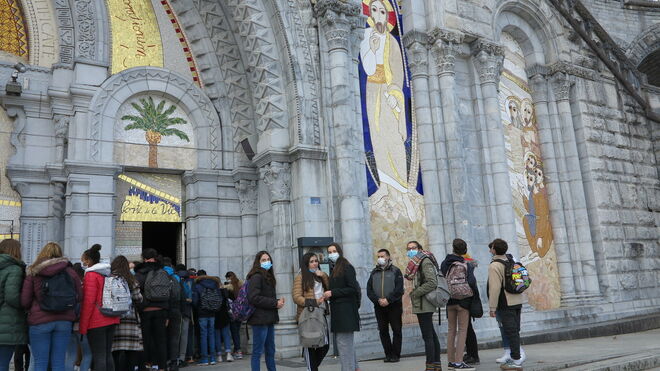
[(277, 176), (539, 85), (417, 44), (488, 59), (441, 35), (561, 86), (338, 18), (247, 195)]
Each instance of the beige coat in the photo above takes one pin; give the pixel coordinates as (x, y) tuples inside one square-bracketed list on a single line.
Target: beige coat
[(496, 283), (299, 297)]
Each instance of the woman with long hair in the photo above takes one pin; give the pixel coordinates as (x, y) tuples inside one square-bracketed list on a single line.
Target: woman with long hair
[(127, 341), (233, 285), (13, 328), (50, 320), (98, 327), (261, 294), (344, 296), (308, 289)]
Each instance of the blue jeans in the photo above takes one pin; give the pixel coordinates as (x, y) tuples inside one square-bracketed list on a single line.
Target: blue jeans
[(207, 338), (263, 342), (235, 328), (48, 342), (6, 352), (223, 335), (72, 353)]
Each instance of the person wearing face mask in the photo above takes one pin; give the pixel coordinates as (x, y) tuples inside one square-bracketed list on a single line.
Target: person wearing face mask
[(385, 289), (422, 271), (345, 296), (262, 295), (308, 288)]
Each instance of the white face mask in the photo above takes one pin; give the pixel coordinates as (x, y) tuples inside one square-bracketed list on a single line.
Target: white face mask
[(333, 257), (382, 262)]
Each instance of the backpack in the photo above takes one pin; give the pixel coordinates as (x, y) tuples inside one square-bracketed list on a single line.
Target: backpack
[(157, 286), (516, 276), (210, 300), (58, 293), (116, 299), (241, 309), (313, 328), (440, 295), (457, 281)]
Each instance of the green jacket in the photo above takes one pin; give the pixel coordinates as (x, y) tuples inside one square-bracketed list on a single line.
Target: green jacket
[(424, 282), (13, 324)]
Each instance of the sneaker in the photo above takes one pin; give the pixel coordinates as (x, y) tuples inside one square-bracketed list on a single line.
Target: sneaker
[(202, 362), (229, 357), (212, 362), (523, 356), (394, 359), (218, 357), (238, 355), (450, 366), (511, 365), (463, 366), (471, 360), (505, 357)]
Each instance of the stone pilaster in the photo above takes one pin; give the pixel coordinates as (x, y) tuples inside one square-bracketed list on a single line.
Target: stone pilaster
[(488, 59), (277, 176), (452, 162), (245, 182), (61, 137), (417, 45)]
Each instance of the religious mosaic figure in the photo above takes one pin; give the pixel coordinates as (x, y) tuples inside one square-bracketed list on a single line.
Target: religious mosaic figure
[(382, 61), (525, 162)]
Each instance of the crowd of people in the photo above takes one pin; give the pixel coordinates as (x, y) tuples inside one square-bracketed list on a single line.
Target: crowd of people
[(152, 315)]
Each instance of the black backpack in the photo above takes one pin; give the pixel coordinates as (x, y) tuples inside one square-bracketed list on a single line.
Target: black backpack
[(58, 293), (158, 286), (211, 300)]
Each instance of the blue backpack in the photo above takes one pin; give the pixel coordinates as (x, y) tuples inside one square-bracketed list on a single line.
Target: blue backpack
[(241, 309)]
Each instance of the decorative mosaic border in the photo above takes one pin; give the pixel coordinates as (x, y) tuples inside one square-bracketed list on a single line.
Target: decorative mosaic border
[(149, 189), (17, 25), (10, 203), (15, 236), (183, 41)]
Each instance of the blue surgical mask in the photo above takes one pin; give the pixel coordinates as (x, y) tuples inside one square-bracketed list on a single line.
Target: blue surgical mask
[(411, 253), (313, 270), (266, 265), (133, 272), (333, 257)]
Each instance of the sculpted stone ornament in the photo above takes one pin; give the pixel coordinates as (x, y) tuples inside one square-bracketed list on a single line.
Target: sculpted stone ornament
[(339, 18), (445, 56), (277, 175), (416, 44), (488, 59), (247, 196), (61, 134), (561, 86)]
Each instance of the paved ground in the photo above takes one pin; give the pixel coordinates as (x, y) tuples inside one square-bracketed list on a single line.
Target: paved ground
[(636, 351)]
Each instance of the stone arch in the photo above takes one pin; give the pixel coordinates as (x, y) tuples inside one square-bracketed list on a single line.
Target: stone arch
[(92, 37), (129, 83), (535, 28), (644, 44)]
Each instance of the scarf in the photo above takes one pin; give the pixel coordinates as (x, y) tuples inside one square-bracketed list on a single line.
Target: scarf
[(416, 261)]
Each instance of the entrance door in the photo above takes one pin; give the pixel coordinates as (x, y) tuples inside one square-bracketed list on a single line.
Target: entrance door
[(162, 237)]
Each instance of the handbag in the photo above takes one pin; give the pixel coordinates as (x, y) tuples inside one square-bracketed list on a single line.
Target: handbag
[(476, 309)]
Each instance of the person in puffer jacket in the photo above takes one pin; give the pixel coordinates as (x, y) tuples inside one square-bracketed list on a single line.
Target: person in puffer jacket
[(203, 285), (13, 328), (99, 328), (49, 331)]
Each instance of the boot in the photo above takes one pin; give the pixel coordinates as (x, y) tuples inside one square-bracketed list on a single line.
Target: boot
[(430, 367)]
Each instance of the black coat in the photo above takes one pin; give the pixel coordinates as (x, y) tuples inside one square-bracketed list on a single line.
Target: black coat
[(262, 295), (141, 272), (345, 301)]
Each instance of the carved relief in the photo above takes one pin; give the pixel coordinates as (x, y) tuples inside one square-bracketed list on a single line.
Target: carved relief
[(416, 44), (85, 21), (65, 27), (488, 58), (61, 135), (561, 86), (247, 195), (277, 176), (338, 18)]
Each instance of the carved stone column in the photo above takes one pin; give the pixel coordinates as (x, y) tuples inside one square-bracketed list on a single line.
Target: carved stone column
[(577, 221), (417, 45), (539, 85), (488, 59), (61, 137), (337, 21), (452, 166), (247, 196), (277, 176)]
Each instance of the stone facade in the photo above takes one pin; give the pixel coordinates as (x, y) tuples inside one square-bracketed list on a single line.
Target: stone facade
[(279, 78)]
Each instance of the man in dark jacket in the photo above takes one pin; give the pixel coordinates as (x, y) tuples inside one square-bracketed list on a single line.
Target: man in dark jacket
[(207, 287), (153, 313), (385, 289)]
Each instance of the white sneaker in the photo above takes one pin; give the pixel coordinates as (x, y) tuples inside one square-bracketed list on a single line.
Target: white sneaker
[(218, 358), (518, 362), (505, 357), (229, 357), (523, 356)]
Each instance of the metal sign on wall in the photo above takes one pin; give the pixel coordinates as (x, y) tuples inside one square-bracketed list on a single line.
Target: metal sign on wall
[(146, 197)]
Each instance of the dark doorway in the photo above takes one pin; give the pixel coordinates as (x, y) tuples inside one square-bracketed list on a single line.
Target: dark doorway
[(163, 237)]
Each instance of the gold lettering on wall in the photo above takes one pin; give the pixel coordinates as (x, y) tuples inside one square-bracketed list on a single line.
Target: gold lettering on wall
[(135, 35)]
